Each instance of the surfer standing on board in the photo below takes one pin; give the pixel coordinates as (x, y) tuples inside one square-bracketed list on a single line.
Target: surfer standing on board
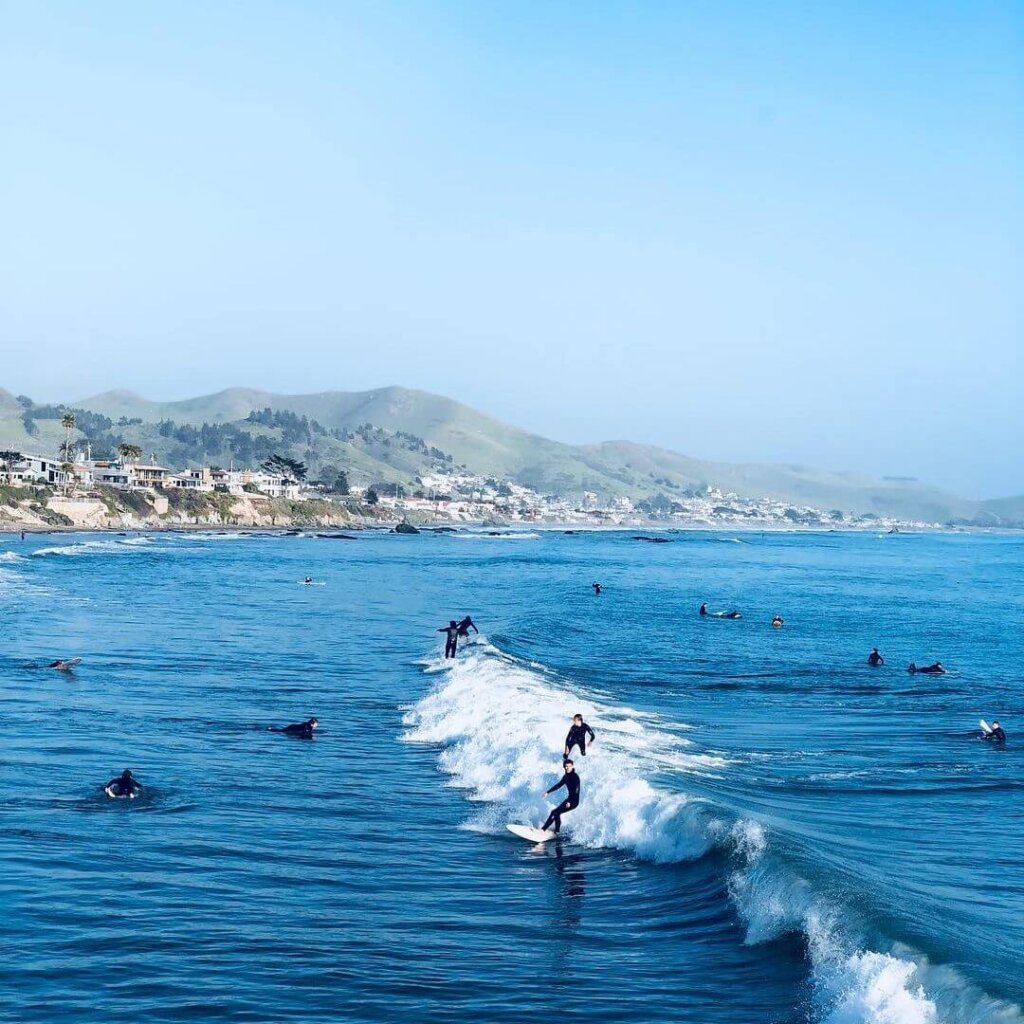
[(571, 781), (577, 737), (451, 642), (466, 625)]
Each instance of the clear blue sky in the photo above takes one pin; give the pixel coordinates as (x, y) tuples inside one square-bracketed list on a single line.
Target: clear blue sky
[(766, 232)]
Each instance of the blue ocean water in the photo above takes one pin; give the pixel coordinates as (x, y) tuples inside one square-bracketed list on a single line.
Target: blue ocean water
[(769, 831)]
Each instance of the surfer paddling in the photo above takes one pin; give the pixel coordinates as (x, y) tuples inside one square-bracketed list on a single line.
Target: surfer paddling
[(304, 730), (733, 614), (935, 669), (577, 737), (123, 786), (571, 781)]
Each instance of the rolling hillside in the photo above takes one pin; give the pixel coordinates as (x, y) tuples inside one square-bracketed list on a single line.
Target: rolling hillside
[(416, 432)]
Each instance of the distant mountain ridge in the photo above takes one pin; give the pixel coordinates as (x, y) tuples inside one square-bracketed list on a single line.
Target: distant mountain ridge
[(490, 447)]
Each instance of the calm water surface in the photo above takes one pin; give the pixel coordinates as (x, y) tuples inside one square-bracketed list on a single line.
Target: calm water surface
[(770, 830)]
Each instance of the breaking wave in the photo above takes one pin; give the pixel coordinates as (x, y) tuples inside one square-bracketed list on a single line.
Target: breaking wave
[(500, 723)]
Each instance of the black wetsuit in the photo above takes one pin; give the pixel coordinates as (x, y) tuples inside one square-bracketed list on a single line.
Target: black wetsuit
[(996, 735), (928, 670), (303, 729), (123, 785), (703, 609), (571, 781), (875, 659), (466, 625), (578, 737), (452, 640)]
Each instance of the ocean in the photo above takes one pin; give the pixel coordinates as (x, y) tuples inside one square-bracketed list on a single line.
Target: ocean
[(770, 830)]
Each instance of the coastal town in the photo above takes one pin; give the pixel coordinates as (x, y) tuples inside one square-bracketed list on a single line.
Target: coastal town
[(128, 492)]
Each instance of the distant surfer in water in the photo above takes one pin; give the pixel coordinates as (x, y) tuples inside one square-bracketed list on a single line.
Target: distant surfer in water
[(64, 665), (122, 786), (451, 642), (466, 625), (875, 659), (996, 734), (928, 670), (577, 737), (734, 614), (777, 622), (597, 588), (304, 729), (571, 781), (308, 580)]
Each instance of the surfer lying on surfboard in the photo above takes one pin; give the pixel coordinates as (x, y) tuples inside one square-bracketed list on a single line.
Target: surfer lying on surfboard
[(124, 786), (65, 664), (928, 670), (734, 614)]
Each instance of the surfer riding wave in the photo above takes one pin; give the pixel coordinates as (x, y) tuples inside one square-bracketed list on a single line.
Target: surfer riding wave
[(652, 793)]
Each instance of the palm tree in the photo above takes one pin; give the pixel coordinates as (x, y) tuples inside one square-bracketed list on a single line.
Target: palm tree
[(129, 452), (68, 423)]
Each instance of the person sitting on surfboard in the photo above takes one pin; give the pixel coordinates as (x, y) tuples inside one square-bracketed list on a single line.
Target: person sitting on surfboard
[(304, 729), (996, 734), (597, 587), (123, 786), (466, 625), (875, 659), (571, 781), (928, 670), (577, 737), (308, 580), (451, 642)]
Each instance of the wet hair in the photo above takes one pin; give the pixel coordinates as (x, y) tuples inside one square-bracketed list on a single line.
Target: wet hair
[(577, 715), (452, 622), (568, 763)]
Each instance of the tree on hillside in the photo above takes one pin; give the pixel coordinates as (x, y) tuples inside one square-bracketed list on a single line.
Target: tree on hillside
[(283, 466), (129, 452), (372, 497), (341, 484)]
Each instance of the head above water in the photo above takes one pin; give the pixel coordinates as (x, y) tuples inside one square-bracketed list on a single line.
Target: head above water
[(452, 622), (312, 723), (995, 724), (577, 718), (126, 774)]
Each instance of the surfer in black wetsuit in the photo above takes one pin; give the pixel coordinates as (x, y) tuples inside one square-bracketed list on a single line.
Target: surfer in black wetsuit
[(875, 659), (928, 670), (62, 665), (571, 781), (304, 729), (451, 642), (996, 734), (123, 785), (703, 609), (597, 588), (308, 580), (577, 737), (466, 625), (777, 622)]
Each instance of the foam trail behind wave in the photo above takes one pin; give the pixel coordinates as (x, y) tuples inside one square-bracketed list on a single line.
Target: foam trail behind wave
[(501, 723), (93, 547)]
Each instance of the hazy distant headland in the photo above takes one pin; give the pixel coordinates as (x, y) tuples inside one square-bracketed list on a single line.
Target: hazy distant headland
[(396, 435)]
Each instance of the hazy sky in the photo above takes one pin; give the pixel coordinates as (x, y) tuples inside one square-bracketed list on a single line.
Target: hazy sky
[(766, 232)]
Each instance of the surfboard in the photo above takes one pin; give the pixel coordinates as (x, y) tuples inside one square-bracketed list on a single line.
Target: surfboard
[(118, 796), (535, 835), (985, 727)]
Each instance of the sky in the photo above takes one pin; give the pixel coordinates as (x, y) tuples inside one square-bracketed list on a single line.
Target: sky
[(766, 232)]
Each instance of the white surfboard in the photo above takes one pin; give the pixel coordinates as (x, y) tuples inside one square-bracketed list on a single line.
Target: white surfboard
[(985, 727), (535, 835)]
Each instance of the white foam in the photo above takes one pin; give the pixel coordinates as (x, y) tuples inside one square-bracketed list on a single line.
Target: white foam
[(92, 547), (501, 726), (11, 556), (497, 536)]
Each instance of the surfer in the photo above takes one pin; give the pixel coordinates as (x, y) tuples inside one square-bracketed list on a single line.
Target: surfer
[(304, 729), (571, 781), (308, 580), (466, 625), (733, 614), (64, 664), (996, 734), (928, 670), (577, 737), (451, 642), (777, 622), (597, 588), (703, 609), (875, 659), (123, 786)]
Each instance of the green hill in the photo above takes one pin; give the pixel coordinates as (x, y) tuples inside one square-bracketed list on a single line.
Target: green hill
[(395, 434)]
